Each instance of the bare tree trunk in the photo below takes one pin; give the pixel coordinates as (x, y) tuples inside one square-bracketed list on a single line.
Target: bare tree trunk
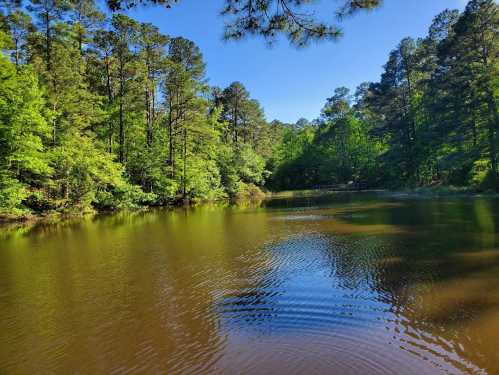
[(149, 118), (171, 144), (17, 53), (47, 41), (184, 178), (474, 133), (80, 43), (110, 101), (493, 124), (235, 115), (121, 116)]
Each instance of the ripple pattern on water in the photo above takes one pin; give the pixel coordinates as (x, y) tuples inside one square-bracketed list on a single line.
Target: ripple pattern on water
[(355, 286), (335, 310)]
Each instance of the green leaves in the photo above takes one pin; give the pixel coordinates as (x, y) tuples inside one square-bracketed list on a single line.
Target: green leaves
[(106, 117), (431, 119), (23, 159), (294, 19)]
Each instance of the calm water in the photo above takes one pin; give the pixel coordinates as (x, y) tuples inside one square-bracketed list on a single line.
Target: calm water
[(339, 284)]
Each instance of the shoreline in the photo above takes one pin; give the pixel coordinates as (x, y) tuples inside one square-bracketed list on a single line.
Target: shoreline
[(425, 192), (448, 191), (54, 217)]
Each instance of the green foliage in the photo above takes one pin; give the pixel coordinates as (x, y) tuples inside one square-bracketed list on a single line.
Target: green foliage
[(432, 119), (270, 18), (24, 165), (239, 168), (86, 176), (96, 117), (203, 179), (249, 165), (480, 175), (339, 149), (12, 194), (107, 115)]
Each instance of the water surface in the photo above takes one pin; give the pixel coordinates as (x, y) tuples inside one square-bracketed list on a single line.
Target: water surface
[(335, 284)]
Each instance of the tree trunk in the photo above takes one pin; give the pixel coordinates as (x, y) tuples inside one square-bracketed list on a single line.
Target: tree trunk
[(121, 116), (474, 128), (17, 53), (184, 178), (149, 118), (235, 123), (110, 101), (54, 125), (171, 156), (47, 41), (149, 104), (80, 43), (493, 124)]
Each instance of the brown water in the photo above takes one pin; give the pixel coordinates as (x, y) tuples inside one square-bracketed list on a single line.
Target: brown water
[(339, 284)]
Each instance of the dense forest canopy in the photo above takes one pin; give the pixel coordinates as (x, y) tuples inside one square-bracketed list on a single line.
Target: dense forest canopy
[(431, 119), (100, 112)]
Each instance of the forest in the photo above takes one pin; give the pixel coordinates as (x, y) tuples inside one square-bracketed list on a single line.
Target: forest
[(101, 112)]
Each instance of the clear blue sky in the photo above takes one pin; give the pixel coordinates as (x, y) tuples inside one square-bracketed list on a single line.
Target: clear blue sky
[(291, 83)]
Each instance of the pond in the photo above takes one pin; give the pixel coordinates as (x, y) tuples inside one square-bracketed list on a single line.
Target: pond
[(344, 283)]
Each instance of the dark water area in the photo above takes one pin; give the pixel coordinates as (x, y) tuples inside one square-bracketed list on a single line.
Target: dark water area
[(361, 283)]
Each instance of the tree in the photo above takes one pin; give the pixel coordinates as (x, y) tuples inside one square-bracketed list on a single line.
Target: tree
[(47, 13), (24, 164), (396, 98), (182, 82), (100, 115), (234, 99), (85, 17), (95, 78), (151, 43), (473, 50), (103, 65), (270, 18), (19, 25), (125, 32)]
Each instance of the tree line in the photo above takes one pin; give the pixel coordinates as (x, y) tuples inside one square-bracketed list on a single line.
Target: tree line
[(104, 112), (431, 119)]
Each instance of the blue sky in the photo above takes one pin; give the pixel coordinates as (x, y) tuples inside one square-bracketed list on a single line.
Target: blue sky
[(291, 83)]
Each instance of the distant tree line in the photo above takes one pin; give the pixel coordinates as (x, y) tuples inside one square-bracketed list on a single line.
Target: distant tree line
[(432, 119)]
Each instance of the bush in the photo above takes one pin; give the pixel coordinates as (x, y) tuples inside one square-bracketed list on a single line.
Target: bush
[(481, 176), (249, 192), (12, 194)]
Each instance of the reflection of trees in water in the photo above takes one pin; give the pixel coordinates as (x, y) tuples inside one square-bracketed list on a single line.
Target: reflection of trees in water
[(184, 311), (443, 279), (136, 289), (440, 278), (152, 288), (204, 254), (445, 296), (317, 198), (433, 277), (55, 224)]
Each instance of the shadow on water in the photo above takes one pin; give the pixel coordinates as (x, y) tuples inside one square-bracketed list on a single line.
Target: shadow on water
[(342, 283)]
